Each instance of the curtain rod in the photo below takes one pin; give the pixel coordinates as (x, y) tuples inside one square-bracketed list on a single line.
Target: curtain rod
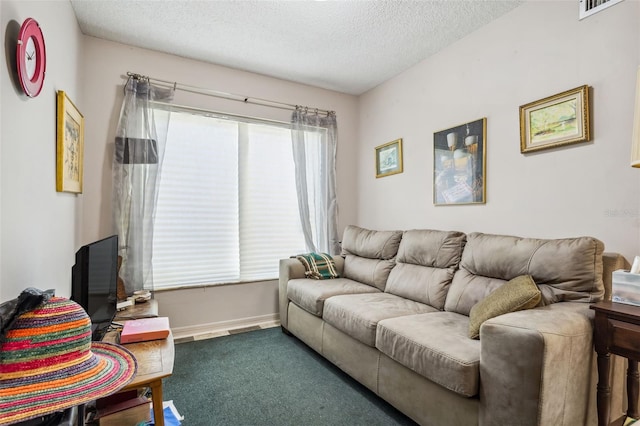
[(229, 96), (219, 114)]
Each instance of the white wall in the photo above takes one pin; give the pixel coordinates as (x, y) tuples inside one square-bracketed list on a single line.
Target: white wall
[(537, 50), (105, 65), (39, 228)]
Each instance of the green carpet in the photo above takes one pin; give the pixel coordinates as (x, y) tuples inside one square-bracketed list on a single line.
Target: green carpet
[(268, 378)]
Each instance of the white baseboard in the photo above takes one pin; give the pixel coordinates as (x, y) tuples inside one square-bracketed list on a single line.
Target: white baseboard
[(222, 327)]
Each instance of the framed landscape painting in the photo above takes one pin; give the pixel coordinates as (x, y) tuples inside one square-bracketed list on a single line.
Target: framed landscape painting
[(389, 158), (459, 162), (554, 121)]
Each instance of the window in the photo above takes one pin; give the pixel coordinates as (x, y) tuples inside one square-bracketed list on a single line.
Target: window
[(227, 207)]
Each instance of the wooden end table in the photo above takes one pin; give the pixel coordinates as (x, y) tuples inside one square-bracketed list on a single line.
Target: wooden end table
[(617, 331), (155, 362)]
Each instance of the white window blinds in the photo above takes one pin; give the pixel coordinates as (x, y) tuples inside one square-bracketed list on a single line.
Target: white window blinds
[(227, 207)]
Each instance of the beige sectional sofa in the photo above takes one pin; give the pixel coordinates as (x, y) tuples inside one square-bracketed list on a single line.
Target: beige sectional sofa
[(397, 320)]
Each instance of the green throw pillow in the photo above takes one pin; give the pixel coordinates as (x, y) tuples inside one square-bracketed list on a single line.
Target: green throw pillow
[(518, 294)]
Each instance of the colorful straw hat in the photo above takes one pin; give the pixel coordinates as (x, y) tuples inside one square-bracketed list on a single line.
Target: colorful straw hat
[(48, 362)]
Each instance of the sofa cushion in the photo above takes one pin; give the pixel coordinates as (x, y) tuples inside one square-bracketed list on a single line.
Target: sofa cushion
[(372, 272), (567, 269), (369, 255), (358, 314), (434, 345), (425, 265), (518, 294), (370, 244), (310, 294)]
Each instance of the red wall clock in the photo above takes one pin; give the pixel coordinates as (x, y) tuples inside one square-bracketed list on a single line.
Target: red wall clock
[(31, 58)]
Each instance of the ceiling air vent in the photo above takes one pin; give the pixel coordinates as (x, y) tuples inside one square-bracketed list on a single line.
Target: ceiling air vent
[(589, 7)]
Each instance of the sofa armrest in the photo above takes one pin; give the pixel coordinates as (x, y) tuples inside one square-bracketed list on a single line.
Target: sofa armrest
[(290, 269), (535, 366)]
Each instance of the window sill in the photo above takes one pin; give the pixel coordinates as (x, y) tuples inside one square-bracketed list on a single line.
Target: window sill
[(196, 286)]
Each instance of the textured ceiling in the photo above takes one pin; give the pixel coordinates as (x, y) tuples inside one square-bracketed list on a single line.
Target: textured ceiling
[(348, 46)]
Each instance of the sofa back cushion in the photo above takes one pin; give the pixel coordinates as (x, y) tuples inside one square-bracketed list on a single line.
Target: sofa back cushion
[(426, 262), (564, 269), (369, 255)]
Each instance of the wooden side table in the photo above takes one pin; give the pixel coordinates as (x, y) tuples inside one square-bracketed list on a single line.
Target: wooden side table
[(155, 362), (617, 331)]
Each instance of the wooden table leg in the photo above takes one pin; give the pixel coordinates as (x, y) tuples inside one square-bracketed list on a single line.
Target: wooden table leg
[(604, 389), (632, 389), (156, 395)]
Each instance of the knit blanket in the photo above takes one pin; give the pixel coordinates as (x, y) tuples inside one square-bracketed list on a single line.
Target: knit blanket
[(319, 266)]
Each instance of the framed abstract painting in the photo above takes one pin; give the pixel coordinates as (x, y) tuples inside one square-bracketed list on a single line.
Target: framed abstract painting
[(459, 164)]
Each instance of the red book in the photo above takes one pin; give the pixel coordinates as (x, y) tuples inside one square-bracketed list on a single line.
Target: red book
[(145, 329)]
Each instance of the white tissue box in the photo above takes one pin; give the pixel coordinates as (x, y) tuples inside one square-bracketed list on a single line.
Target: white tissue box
[(626, 288)]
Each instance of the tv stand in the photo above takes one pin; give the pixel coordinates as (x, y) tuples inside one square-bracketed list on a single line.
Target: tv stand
[(147, 309)]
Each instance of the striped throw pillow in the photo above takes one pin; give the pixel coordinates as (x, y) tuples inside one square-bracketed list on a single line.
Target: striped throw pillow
[(319, 266)]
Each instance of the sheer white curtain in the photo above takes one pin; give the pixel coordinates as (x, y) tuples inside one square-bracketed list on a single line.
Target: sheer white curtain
[(139, 151), (314, 139)]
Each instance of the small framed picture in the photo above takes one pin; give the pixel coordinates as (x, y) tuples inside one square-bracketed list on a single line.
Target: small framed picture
[(69, 145), (557, 120), (389, 158)]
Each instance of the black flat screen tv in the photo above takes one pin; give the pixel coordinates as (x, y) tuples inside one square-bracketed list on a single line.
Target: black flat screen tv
[(94, 282)]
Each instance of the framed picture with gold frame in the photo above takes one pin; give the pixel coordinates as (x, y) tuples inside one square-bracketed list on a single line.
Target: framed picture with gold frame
[(69, 145), (389, 158), (557, 120)]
